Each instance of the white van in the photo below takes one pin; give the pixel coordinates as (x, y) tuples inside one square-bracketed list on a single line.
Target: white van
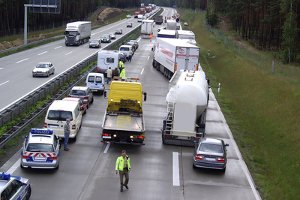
[(57, 114), (126, 49), (140, 18), (95, 81)]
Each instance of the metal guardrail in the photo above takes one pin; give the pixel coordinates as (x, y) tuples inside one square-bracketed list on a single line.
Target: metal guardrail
[(22, 105)]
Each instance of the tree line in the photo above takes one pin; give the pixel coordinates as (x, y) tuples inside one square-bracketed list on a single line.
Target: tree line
[(269, 24), (12, 14)]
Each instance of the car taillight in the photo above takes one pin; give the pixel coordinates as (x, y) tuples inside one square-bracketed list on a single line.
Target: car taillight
[(74, 126), (220, 159), (45, 125), (198, 157), (53, 157), (140, 137), (25, 155), (105, 134), (86, 97)]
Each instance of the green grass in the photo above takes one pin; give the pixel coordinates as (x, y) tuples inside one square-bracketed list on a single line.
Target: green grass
[(262, 108)]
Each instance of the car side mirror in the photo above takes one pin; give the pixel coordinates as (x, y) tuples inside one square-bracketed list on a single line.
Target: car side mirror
[(145, 96)]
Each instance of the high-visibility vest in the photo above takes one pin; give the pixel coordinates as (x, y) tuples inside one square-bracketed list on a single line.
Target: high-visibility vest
[(123, 74), (120, 163)]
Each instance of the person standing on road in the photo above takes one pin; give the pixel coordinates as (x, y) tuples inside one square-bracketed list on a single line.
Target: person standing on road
[(129, 58), (66, 134), (123, 168), (123, 74), (109, 75)]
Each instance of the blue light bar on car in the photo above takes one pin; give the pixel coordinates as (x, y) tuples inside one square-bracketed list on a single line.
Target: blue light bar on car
[(41, 131), (4, 176)]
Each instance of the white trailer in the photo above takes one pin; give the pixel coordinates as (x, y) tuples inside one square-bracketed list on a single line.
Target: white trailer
[(187, 35), (187, 102), (147, 28), (171, 25), (78, 33), (171, 55), (163, 33), (106, 59)]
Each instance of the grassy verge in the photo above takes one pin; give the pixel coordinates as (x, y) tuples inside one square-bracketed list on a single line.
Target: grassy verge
[(261, 107)]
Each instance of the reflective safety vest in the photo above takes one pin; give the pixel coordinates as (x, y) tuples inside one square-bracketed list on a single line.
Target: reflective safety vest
[(120, 163), (121, 64), (123, 74)]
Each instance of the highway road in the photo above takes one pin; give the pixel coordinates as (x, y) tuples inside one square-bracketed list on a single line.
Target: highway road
[(16, 70), (87, 171)]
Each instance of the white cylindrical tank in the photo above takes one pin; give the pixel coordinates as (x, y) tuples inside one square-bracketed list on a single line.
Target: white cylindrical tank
[(191, 88)]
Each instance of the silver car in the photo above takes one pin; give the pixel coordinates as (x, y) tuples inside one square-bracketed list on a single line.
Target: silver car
[(40, 149), (14, 187), (95, 44), (43, 69), (112, 36), (210, 153)]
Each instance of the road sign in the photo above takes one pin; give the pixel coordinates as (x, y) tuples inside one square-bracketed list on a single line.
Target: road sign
[(44, 6)]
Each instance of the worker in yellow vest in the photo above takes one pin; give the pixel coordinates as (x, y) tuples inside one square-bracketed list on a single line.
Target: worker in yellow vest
[(123, 168), (123, 74)]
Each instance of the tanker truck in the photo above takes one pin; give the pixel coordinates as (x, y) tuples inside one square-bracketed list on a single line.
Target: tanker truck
[(187, 101)]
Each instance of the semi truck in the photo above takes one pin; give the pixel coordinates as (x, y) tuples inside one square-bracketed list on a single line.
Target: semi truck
[(171, 55), (187, 35), (171, 25), (77, 33), (147, 28), (187, 102), (158, 19), (123, 121)]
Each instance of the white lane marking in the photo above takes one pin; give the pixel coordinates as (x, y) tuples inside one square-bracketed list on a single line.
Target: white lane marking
[(22, 60), (176, 181), (142, 71), (4, 83), (138, 39), (107, 147), (68, 53), (42, 53), (148, 57), (13, 168), (1, 68), (58, 47)]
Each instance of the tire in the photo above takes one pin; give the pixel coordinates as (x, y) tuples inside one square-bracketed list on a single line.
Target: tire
[(56, 168), (223, 170), (92, 100), (22, 167), (28, 193)]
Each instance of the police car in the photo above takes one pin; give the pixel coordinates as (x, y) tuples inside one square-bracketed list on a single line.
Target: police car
[(14, 187), (41, 149)]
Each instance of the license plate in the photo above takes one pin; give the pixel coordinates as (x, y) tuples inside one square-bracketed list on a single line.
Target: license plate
[(210, 159), (106, 137)]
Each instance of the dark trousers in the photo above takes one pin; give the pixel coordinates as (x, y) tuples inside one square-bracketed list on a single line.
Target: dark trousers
[(123, 174)]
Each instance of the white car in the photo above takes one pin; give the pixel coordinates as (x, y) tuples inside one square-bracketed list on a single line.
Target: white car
[(43, 69), (112, 36), (40, 149)]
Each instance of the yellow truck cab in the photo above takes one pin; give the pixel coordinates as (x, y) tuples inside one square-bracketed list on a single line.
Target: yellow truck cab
[(123, 120)]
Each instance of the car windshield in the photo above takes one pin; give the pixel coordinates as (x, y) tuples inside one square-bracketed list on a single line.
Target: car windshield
[(36, 147), (42, 66), (211, 148), (60, 115), (78, 92), (124, 49)]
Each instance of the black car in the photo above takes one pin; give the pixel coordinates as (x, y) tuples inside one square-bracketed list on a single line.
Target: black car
[(210, 153), (95, 44), (129, 25)]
